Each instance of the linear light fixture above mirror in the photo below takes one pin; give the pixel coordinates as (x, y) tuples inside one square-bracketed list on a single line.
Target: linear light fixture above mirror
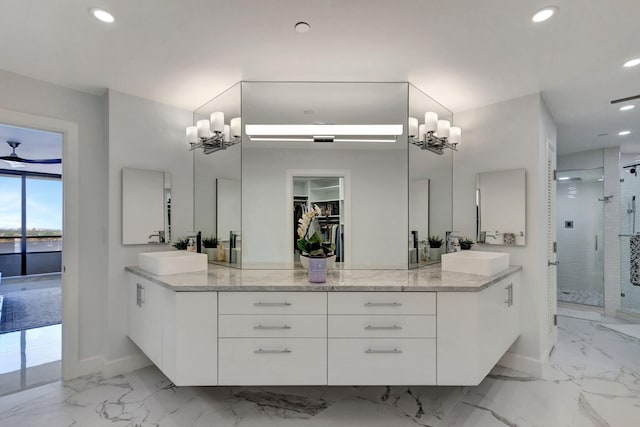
[(213, 135), (434, 135), (324, 133)]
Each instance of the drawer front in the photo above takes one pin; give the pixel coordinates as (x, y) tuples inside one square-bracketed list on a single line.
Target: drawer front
[(382, 303), (272, 361), (272, 326), (378, 326), (272, 303), (382, 361)]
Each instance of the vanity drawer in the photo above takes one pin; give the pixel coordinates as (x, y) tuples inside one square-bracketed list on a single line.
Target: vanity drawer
[(388, 326), (272, 361), (382, 361), (272, 303), (382, 303), (272, 325)]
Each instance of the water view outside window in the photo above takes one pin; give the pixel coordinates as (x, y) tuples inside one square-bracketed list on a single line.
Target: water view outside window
[(44, 215), (10, 214)]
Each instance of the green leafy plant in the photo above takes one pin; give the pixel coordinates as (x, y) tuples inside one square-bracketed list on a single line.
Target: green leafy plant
[(435, 241), (210, 242), (466, 243), (314, 245), (181, 243)]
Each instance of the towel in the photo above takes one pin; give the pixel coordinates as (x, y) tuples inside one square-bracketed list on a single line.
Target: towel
[(634, 262)]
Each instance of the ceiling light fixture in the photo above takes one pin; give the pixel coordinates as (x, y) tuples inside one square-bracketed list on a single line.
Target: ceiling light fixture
[(434, 135), (564, 178), (102, 15), (213, 135), (627, 107), (544, 14), (324, 133), (302, 27), (624, 133), (632, 63)]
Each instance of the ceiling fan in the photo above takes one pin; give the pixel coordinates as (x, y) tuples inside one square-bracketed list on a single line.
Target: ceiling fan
[(13, 157)]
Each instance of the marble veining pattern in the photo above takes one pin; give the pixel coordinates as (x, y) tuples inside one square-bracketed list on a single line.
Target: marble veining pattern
[(426, 279), (592, 379)]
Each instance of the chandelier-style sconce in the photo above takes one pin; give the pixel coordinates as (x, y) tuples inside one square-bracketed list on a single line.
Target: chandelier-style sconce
[(213, 135), (434, 135)]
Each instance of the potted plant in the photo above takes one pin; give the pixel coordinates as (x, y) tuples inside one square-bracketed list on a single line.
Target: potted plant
[(210, 247), (317, 254), (435, 247), (466, 243), (181, 244)]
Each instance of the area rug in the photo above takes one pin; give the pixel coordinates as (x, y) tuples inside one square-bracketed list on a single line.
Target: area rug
[(31, 309)]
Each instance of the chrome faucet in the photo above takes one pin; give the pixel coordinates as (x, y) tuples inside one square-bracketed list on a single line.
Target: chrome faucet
[(484, 235), (159, 235), (448, 241)]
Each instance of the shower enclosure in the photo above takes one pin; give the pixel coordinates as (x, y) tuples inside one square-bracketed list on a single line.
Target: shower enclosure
[(580, 219), (629, 226)]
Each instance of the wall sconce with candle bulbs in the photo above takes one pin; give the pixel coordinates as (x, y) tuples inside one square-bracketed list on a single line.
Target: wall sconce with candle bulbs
[(213, 135), (434, 135)]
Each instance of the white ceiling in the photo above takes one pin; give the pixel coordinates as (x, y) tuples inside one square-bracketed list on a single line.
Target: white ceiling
[(464, 53)]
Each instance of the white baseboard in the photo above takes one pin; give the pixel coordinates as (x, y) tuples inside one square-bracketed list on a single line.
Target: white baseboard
[(628, 315), (125, 364), (82, 367), (522, 363)]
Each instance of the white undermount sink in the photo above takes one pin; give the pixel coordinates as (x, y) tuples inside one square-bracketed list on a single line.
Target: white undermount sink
[(172, 262), (475, 262)]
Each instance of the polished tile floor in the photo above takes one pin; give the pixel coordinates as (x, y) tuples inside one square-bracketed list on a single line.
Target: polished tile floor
[(593, 379)]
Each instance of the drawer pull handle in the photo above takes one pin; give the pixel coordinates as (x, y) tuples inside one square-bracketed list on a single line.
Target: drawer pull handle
[(382, 304), (374, 328), (374, 351), (262, 327), (281, 351), (271, 304)]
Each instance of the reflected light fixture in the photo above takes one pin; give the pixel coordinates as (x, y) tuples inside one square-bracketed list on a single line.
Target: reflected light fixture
[(102, 15), (632, 63), (434, 135), (544, 14), (624, 133), (627, 107), (324, 133), (213, 135)]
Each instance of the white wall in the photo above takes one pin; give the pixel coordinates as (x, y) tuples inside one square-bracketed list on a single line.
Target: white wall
[(31, 96), (590, 159), (510, 135), (378, 203), (146, 135)]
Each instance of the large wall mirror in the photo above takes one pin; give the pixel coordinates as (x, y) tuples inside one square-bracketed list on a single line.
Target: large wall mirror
[(430, 188), (146, 206), (377, 200), (500, 196), (217, 186)]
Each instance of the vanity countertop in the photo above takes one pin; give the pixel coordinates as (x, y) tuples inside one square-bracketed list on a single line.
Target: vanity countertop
[(425, 279)]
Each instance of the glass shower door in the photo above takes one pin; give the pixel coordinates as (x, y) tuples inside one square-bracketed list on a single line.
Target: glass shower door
[(580, 219), (629, 226)]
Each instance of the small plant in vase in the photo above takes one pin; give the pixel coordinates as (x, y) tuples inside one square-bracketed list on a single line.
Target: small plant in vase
[(466, 243), (210, 247), (435, 247), (313, 246), (181, 244)]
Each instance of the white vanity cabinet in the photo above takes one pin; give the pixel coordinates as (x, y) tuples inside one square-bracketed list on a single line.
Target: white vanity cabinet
[(475, 329), (272, 338), (382, 338), (145, 317)]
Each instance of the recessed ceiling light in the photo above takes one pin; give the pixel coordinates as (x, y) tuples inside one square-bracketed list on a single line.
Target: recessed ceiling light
[(302, 27), (544, 14), (627, 107), (102, 15), (624, 133), (564, 178), (632, 62)]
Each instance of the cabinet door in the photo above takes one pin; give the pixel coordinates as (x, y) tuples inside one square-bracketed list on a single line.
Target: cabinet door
[(145, 317)]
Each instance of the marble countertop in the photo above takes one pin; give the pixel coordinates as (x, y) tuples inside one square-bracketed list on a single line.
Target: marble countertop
[(425, 279)]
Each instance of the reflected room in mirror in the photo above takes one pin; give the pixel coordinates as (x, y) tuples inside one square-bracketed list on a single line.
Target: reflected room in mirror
[(500, 198)]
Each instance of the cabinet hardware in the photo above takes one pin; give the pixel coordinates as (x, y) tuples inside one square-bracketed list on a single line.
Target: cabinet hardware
[(143, 295), (262, 327), (139, 296), (373, 328), (280, 351), (382, 304), (553, 262), (271, 304), (509, 289), (374, 351)]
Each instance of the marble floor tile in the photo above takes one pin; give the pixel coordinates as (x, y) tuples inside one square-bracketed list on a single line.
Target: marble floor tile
[(631, 330), (593, 380)]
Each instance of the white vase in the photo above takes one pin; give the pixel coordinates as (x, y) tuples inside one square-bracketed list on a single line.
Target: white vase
[(212, 253), (435, 253), (331, 262)]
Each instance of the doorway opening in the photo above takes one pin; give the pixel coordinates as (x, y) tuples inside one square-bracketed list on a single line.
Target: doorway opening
[(31, 218)]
